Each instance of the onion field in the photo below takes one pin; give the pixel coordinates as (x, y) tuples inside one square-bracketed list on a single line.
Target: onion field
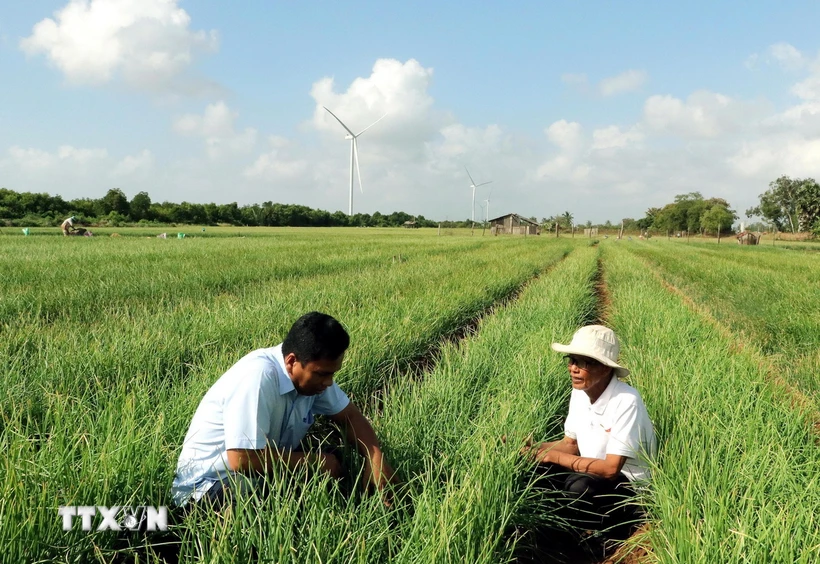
[(107, 345)]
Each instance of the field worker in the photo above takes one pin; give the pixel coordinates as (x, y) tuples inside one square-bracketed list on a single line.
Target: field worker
[(251, 420), (68, 225), (608, 437)]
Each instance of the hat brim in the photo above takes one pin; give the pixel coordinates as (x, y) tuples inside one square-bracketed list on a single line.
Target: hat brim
[(620, 371)]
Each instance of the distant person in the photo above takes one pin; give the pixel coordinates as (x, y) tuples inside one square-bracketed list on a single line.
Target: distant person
[(608, 437), (68, 226), (253, 418)]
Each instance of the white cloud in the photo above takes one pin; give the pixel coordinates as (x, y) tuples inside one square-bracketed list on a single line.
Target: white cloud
[(216, 127), (132, 164), (628, 81), (789, 154), (751, 61), (147, 43), (277, 164), (32, 159), (566, 135), (788, 56), (613, 138), (37, 159), (397, 89), (808, 89), (704, 114)]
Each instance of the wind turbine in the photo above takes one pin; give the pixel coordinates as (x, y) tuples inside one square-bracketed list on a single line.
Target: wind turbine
[(354, 155), (474, 186), (487, 207)]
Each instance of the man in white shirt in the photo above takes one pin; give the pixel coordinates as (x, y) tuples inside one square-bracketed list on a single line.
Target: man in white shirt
[(251, 421), (608, 437)]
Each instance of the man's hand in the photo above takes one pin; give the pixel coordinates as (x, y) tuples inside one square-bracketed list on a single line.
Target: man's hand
[(378, 475), (359, 433), (327, 462), (265, 461)]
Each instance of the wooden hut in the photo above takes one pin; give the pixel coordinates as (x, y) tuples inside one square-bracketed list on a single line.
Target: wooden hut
[(513, 224), (746, 238)]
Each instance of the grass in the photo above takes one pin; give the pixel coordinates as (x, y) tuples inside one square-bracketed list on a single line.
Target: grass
[(108, 344), (100, 381), (737, 480), (767, 295)]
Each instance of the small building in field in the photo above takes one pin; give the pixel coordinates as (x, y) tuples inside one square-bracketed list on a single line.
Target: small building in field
[(746, 238), (513, 224), (410, 224)]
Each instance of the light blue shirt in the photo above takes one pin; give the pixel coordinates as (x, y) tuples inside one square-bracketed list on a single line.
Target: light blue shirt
[(251, 406)]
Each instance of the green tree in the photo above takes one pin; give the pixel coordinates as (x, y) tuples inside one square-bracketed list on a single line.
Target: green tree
[(808, 204), (114, 200), (778, 204), (140, 206), (718, 217)]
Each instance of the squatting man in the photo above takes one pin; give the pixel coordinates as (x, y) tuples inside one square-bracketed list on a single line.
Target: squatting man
[(608, 440), (251, 421)]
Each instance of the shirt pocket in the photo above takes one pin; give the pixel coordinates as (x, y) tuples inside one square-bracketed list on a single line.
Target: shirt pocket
[(301, 426)]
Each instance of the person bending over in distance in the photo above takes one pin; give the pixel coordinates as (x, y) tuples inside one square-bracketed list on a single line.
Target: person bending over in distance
[(68, 225), (251, 421), (608, 437)]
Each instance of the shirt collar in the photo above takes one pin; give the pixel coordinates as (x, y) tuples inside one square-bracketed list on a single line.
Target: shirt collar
[(285, 383), (600, 404)]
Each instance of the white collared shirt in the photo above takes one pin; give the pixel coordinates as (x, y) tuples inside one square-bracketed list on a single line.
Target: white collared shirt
[(251, 406), (617, 423)]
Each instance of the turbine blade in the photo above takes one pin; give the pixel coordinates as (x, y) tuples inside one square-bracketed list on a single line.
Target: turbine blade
[(490, 194), (340, 121), (468, 174), (356, 158), (371, 125), (483, 183)]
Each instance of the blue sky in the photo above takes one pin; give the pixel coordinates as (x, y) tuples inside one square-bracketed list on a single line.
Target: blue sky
[(599, 108)]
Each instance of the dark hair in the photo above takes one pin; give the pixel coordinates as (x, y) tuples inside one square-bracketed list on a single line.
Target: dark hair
[(316, 336)]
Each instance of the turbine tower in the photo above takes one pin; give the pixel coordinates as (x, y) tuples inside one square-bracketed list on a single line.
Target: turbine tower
[(487, 207), (474, 186), (354, 156)]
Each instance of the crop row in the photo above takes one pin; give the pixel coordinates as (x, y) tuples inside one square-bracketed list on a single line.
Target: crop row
[(77, 281), (737, 477), (765, 294)]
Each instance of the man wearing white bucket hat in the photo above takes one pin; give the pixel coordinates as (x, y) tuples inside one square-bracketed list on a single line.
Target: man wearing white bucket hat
[(608, 437)]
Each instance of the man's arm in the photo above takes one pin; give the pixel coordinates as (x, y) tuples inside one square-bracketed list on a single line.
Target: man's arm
[(565, 452), (567, 444), (360, 434), (264, 461)]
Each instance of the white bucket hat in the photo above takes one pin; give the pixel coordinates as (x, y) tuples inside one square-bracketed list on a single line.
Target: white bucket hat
[(598, 342)]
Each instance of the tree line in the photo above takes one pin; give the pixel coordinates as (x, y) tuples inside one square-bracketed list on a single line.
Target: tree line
[(28, 209), (691, 213)]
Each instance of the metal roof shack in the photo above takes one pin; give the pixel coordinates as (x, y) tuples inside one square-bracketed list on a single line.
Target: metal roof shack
[(513, 224)]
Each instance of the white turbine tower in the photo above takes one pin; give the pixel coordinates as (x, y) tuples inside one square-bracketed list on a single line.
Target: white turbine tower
[(354, 155), (487, 207), (474, 186)]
